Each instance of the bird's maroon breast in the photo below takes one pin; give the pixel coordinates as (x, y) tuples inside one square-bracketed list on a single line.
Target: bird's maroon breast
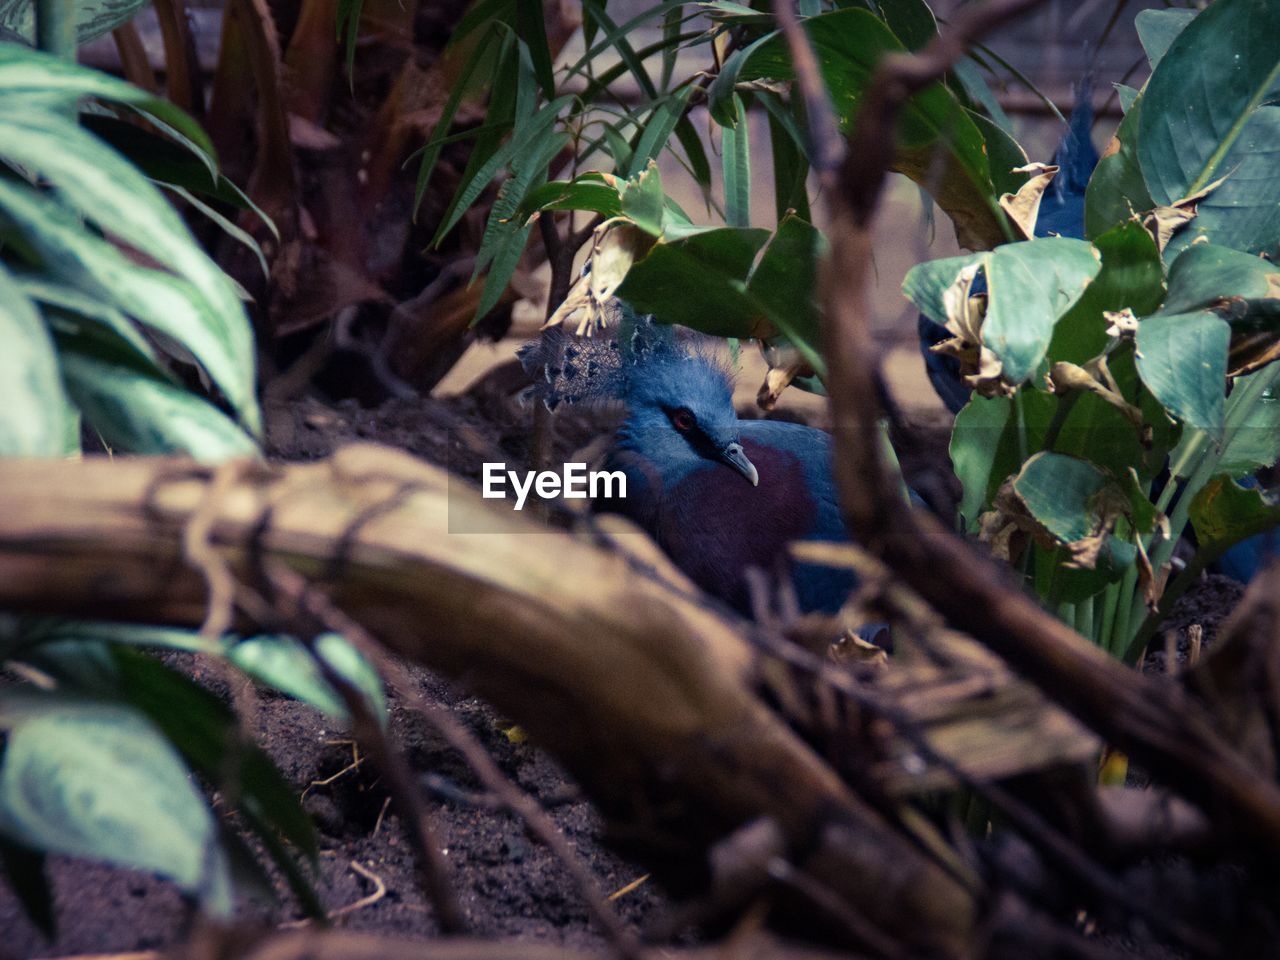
[(716, 525)]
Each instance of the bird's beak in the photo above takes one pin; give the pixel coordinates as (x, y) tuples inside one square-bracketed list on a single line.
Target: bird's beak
[(735, 457)]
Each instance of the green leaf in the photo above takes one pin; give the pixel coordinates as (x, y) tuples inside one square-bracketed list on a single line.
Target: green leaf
[(643, 201), (532, 29), (911, 21), (1060, 492), (98, 780), (790, 165), (525, 137), (925, 283), (1206, 274), (136, 407), (1131, 276), (784, 284), (431, 151), (1223, 513), (722, 98), (1030, 285), (1182, 358), (977, 90), (657, 130), (1157, 30), (1117, 190), (1005, 153), (699, 281), (849, 43), (1255, 443), (29, 76), (196, 306), (735, 155), (1127, 95), (94, 18), (589, 191), (176, 164), (34, 411), (1203, 119), (974, 449)]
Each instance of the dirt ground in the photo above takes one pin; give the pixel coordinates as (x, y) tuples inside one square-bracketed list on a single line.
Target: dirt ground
[(506, 882)]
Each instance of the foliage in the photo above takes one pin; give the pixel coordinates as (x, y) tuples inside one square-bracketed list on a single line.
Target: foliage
[(536, 117), (113, 314), (102, 279), (1140, 389)]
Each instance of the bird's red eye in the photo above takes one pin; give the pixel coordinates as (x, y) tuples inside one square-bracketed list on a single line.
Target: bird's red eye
[(683, 420)]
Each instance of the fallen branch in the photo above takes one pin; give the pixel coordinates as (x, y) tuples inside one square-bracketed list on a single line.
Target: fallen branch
[(646, 693)]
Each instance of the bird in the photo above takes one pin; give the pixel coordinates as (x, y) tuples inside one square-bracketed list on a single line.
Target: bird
[(720, 495)]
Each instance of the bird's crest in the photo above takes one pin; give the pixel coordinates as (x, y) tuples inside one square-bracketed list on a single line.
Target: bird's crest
[(572, 369)]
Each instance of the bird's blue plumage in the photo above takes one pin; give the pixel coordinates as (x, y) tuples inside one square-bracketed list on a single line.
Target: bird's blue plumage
[(702, 508), (722, 496)]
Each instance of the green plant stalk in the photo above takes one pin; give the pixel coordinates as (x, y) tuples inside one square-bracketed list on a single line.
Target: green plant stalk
[(56, 28), (1084, 618), (1110, 601), (1203, 471)]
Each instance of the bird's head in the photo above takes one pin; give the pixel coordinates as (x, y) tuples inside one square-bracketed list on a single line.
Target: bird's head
[(680, 414)]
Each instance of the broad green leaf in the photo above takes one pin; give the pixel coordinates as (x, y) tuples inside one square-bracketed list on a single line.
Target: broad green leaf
[(98, 780), (643, 201), (1223, 513), (28, 75), (283, 663), (1131, 276), (1029, 286), (1158, 28), (790, 165), (33, 404), (1182, 358), (975, 443), (1005, 153), (735, 155), (1117, 190), (94, 18), (926, 282), (1254, 441), (166, 303), (179, 163), (1206, 274), (911, 21), (699, 281), (784, 284), (1202, 119), (1127, 95), (137, 408)]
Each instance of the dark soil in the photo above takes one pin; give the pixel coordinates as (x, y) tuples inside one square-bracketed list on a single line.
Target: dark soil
[(506, 882)]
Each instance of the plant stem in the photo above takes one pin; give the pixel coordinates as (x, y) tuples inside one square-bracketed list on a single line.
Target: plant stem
[(56, 28)]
